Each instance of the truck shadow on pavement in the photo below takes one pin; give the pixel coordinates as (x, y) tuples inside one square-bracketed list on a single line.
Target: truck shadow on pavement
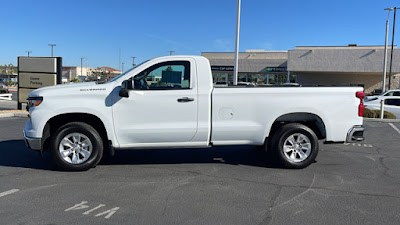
[(231, 155), (15, 154)]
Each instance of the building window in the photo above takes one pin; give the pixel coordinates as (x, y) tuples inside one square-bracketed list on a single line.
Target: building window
[(219, 78)]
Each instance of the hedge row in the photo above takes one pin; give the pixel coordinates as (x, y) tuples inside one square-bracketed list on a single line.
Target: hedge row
[(376, 114)]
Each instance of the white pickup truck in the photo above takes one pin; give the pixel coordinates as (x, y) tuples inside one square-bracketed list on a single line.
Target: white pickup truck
[(170, 102)]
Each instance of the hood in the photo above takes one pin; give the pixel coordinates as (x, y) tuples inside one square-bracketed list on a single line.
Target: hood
[(66, 88)]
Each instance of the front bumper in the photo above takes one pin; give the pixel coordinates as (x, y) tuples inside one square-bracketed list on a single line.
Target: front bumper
[(33, 143), (355, 134)]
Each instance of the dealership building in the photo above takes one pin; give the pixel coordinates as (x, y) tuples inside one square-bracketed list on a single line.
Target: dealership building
[(309, 65)]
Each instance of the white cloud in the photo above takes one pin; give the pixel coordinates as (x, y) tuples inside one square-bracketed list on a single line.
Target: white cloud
[(223, 45), (267, 45)]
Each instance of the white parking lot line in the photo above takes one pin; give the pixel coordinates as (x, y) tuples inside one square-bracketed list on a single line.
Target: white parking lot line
[(359, 145), (395, 128), (2, 194)]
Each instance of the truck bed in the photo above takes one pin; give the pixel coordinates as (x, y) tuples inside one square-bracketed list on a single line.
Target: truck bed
[(245, 115)]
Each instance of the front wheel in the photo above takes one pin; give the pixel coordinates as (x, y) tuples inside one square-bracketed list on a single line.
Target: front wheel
[(296, 145), (76, 146)]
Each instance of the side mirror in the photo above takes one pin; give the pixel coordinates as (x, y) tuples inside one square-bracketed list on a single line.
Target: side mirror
[(125, 87)]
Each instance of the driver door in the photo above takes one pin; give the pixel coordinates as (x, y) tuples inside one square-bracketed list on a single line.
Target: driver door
[(162, 108)]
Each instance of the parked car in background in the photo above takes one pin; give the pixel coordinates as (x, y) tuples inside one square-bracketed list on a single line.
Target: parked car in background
[(3, 91), (392, 104), (221, 84), (376, 92), (388, 93)]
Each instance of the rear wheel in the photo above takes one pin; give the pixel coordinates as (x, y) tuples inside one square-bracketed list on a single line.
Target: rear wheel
[(296, 145), (76, 146)]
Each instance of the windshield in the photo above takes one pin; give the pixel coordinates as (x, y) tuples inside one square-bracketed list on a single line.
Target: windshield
[(122, 74)]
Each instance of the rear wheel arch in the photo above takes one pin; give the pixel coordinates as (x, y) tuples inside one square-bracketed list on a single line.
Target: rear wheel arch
[(313, 121)]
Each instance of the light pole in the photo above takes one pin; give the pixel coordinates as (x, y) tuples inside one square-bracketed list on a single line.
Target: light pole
[(8, 76), (385, 60), (385, 54), (122, 67), (170, 52), (235, 73), (133, 61), (52, 45), (391, 54), (28, 52), (81, 65), (119, 59)]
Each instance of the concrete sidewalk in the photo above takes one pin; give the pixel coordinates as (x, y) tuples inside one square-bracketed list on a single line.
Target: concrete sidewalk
[(10, 109)]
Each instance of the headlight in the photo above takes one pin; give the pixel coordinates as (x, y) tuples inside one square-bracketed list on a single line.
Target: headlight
[(34, 101)]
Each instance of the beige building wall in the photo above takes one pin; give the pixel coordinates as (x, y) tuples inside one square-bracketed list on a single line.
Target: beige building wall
[(85, 71), (370, 81)]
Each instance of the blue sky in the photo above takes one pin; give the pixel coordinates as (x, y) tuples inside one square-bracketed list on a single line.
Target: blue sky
[(148, 29)]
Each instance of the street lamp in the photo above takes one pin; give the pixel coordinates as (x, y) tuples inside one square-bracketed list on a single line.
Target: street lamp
[(170, 52), (52, 45), (133, 61), (28, 52), (235, 73)]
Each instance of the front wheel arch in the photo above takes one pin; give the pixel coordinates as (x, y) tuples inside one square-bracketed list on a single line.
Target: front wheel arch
[(57, 121)]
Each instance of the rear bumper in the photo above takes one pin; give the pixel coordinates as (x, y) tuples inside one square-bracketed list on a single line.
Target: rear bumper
[(355, 134), (33, 143)]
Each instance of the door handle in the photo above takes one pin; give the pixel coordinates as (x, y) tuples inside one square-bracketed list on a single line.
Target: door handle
[(185, 99)]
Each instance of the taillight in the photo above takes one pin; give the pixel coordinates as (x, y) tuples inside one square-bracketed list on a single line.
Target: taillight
[(360, 95)]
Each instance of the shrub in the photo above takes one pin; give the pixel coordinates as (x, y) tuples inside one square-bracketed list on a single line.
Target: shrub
[(376, 114), (368, 113), (75, 80)]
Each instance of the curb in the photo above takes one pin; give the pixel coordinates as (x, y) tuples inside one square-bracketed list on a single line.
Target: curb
[(383, 121), (8, 115)]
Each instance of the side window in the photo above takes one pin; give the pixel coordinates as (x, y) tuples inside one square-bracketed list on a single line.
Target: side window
[(389, 94), (394, 102), (164, 76)]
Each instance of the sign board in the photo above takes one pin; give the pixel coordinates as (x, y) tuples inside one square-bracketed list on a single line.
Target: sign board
[(276, 69), (231, 68), (222, 68), (37, 72)]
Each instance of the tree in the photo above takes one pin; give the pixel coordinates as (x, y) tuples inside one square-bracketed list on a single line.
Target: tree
[(9, 70), (99, 73)]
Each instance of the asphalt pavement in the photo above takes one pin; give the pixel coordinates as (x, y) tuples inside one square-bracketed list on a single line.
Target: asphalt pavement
[(349, 184)]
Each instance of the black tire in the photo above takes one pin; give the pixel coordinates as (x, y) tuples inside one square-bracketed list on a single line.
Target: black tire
[(293, 158), (88, 132)]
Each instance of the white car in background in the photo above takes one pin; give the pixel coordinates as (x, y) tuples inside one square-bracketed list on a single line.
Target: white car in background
[(388, 93), (392, 104)]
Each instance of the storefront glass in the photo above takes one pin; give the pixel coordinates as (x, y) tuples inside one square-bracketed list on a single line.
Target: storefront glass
[(254, 78)]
